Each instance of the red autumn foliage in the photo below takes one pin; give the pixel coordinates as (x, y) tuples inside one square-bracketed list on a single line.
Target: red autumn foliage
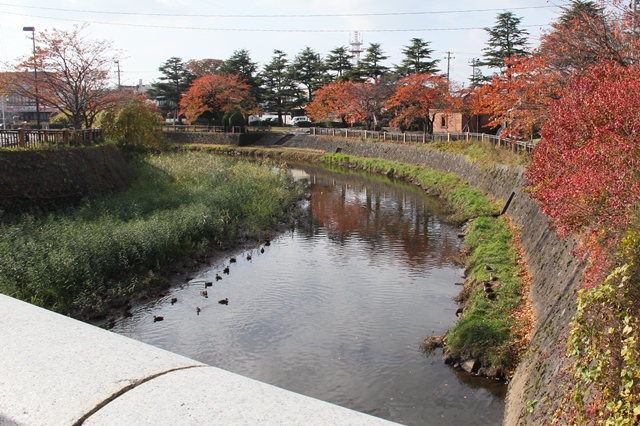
[(331, 102), (213, 95), (585, 172), (417, 97), (518, 99), (349, 101)]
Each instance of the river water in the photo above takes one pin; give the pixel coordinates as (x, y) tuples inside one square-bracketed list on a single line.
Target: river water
[(336, 309)]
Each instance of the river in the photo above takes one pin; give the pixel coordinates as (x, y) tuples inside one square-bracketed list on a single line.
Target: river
[(336, 308)]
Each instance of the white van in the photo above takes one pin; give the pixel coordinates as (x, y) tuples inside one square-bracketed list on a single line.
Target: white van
[(296, 120)]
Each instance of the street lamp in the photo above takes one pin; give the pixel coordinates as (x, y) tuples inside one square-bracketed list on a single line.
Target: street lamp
[(35, 71)]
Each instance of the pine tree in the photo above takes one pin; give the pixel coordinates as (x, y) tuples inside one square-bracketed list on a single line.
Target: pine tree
[(339, 61), (279, 90), (175, 80), (371, 64), (417, 59), (505, 39), (240, 64), (308, 70)]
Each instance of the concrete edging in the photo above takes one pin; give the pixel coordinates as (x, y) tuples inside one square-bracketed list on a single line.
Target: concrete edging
[(55, 370)]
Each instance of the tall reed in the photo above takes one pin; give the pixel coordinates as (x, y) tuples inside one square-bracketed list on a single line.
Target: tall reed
[(82, 260)]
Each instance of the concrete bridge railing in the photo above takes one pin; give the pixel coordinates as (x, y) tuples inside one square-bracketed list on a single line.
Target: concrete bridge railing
[(58, 371)]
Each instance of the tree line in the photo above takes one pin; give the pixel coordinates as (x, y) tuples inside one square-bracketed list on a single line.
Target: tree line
[(74, 79)]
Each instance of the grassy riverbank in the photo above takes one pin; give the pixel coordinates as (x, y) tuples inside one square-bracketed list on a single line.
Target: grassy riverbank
[(85, 259), (496, 319)]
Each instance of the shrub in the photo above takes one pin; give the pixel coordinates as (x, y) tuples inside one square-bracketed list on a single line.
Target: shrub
[(132, 124), (233, 118), (59, 121)]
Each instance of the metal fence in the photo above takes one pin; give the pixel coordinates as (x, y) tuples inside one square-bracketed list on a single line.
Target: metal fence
[(415, 137), (214, 129), (28, 138)]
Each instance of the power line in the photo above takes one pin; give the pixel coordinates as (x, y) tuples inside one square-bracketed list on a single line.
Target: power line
[(173, 15), (171, 27)]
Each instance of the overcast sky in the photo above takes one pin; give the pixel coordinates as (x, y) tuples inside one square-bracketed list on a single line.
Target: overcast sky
[(148, 32)]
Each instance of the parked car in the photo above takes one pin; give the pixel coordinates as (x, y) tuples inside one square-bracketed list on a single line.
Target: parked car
[(296, 120)]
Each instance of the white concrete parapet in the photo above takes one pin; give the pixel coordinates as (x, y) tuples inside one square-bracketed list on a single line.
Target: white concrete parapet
[(58, 371)]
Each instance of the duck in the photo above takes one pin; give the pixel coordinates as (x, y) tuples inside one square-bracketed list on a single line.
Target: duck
[(218, 277), (225, 270), (267, 242), (232, 260), (488, 268), (198, 310), (157, 318), (224, 301), (208, 284), (204, 293), (248, 257), (459, 311), (174, 300), (261, 249)]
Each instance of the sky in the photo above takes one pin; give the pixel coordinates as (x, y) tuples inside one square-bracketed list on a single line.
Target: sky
[(148, 32)]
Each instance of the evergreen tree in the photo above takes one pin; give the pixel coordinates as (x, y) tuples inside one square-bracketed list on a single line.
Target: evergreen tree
[(240, 64), (308, 70), (176, 79), (339, 61), (279, 90), (505, 39), (476, 79), (417, 59), (371, 64), (578, 10)]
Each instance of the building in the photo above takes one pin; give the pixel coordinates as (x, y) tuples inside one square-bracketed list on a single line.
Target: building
[(17, 109)]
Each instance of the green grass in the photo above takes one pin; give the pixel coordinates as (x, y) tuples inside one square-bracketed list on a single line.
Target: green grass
[(486, 330), (485, 154), (82, 260)]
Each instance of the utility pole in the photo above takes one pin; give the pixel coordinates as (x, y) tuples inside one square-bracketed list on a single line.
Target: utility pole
[(35, 72), (449, 58), (118, 65)]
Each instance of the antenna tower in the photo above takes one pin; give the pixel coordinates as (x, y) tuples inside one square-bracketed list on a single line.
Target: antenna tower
[(356, 47)]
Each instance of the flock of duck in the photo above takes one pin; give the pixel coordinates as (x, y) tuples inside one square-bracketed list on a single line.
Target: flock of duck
[(226, 271)]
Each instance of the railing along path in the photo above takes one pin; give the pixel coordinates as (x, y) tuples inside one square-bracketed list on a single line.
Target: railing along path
[(28, 138), (416, 137)]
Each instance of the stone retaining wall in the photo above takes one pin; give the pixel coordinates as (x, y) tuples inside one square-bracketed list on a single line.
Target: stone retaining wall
[(240, 139), (47, 178), (555, 271)]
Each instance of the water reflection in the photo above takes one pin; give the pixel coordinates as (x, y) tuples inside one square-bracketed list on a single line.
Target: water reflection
[(337, 308)]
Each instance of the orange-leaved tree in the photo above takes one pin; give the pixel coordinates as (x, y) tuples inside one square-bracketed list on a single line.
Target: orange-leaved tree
[(417, 98), (518, 99), (213, 95), (350, 101), (331, 102)]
